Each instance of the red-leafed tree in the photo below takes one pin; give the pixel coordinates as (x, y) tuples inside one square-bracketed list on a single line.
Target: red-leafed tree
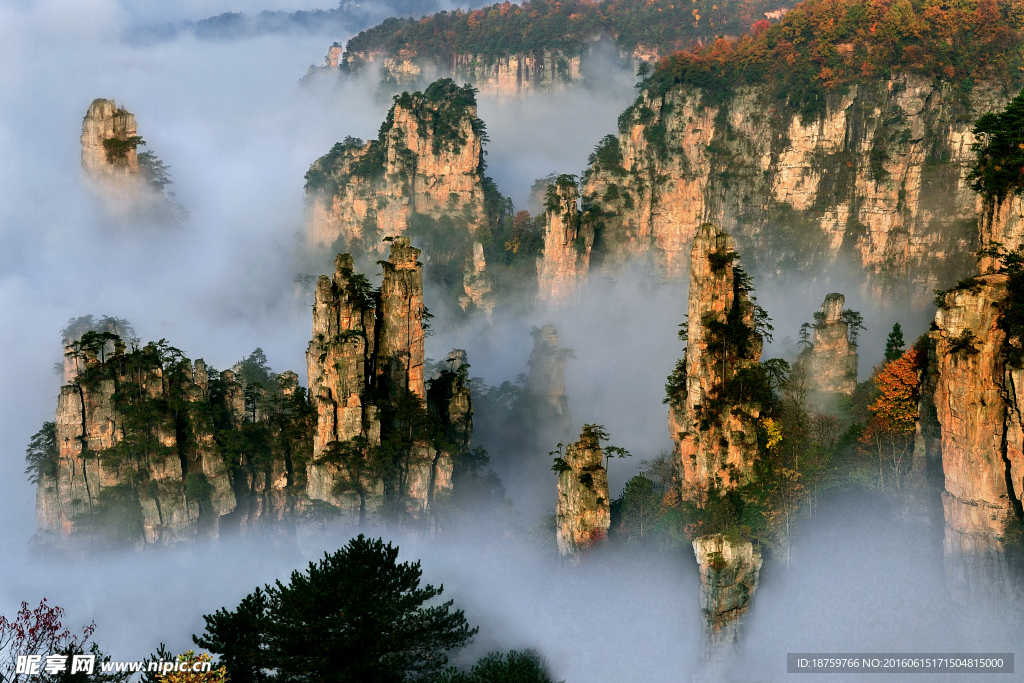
[(40, 631), (890, 431)]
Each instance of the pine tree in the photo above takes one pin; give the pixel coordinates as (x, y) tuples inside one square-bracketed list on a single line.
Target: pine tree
[(356, 616), (894, 344)]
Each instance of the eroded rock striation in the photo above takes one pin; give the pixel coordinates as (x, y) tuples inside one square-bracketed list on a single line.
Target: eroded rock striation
[(830, 362), (583, 512), (143, 457), (425, 167), (567, 244), (151, 448), (110, 162), (729, 574), (715, 431), (366, 378), (878, 180)]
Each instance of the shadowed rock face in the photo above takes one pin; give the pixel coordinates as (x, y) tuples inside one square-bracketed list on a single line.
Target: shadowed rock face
[(713, 440), (830, 363), (729, 575), (103, 454), (583, 513), (546, 382)]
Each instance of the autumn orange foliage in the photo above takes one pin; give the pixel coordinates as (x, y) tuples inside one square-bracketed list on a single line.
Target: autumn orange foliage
[(897, 384)]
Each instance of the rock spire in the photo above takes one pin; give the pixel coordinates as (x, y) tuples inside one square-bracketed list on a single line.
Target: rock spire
[(729, 574), (715, 436), (583, 513), (567, 244), (830, 362)]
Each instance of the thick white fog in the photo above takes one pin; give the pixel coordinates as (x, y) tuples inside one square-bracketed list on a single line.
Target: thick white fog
[(239, 133)]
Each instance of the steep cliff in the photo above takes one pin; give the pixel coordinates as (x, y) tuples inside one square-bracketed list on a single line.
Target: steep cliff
[(729, 573), (568, 240), (712, 419), (424, 168), (830, 362), (149, 449), (583, 512), (130, 184), (385, 441), (109, 157), (978, 406), (878, 181), (814, 142), (509, 49)]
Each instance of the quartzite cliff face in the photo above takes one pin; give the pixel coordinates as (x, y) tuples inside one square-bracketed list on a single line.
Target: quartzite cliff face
[(365, 366), (714, 439), (426, 165), (830, 362), (567, 244), (729, 573), (150, 449), (878, 181), (979, 405), (137, 457), (110, 162), (583, 512)]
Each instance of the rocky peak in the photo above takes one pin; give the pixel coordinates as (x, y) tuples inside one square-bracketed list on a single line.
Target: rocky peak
[(427, 163), (830, 362), (477, 283), (401, 314), (729, 575), (583, 512), (714, 430), (546, 379), (109, 140), (567, 244)]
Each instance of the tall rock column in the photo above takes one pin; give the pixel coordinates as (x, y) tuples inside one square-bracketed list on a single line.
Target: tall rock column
[(567, 244), (714, 440), (546, 381), (339, 362), (830, 363), (401, 333), (583, 512), (108, 152), (729, 574), (978, 403)]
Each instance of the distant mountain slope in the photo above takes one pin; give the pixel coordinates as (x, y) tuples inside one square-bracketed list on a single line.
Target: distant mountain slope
[(540, 43)]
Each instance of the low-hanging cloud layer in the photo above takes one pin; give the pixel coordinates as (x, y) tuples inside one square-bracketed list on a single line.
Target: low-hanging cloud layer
[(239, 134)]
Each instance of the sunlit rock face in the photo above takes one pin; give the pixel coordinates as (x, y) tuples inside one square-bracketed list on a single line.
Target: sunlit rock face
[(113, 171), (978, 403), (878, 182), (830, 363), (562, 272), (503, 75), (583, 513), (426, 166), (149, 472), (714, 440), (729, 573), (365, 366), (111, 168)]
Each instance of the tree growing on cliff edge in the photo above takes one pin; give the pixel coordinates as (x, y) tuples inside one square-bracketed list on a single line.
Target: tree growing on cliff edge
[(357, 616)]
